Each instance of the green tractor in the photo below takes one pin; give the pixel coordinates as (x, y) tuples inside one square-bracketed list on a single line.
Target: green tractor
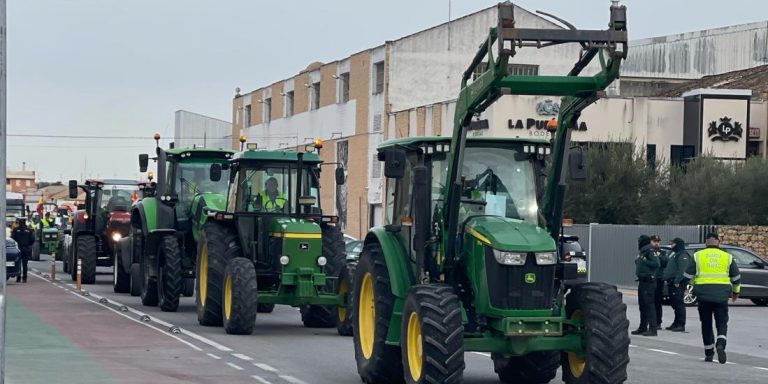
[(157, 261), (48, 237), (269, 243), (472, 258)]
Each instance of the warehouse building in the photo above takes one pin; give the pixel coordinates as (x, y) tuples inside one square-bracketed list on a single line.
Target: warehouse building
[(407, 87)]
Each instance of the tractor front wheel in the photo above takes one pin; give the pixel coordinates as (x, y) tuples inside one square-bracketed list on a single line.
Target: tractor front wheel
[(326, 316), (372, 305), (35, 256), (121, 280), (605, 326), (432, 336), (148, 284), (533, 368), (135, 279), (218, 244), (189, 287), (86, 251), (344, 312), (169, 286), (240, 297)]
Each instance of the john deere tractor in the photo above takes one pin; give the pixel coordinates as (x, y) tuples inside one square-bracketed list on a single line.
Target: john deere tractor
[(269, 243), (157, 261), (470, 259)]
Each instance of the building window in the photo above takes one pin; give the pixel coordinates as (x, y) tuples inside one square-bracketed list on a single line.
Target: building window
[(344, 86), (18, 183), (680, 155), (753, 148), (512, 69), (29, 183), (378, 77), (315, 99), (650, 155), (267, 110), (289, 104), (247, 119)]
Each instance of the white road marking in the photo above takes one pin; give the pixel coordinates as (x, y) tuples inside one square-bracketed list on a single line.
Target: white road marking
[(728, 362), (265, 367), (761, 368), (663, 351), (482, 354), (291, 379), (260, 380), (632, 346), (214, 356), (235, 366), (242, 357)]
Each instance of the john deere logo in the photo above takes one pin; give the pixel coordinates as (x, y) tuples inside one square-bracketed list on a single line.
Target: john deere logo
[(725, 130), (304, 247), (530, 278)]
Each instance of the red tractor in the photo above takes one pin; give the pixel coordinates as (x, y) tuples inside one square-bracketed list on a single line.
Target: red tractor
[(99, 224)]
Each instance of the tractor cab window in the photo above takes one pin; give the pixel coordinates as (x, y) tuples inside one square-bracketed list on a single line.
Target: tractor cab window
[(495, 181), (117, 197), (266, 189), (192, 178)]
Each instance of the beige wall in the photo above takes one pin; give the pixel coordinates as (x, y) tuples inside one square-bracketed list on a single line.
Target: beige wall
[(301, 94), (277, 101), (359, 83), (327, 84)]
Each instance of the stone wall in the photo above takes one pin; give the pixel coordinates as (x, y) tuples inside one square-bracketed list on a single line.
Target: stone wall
[(751, 237)]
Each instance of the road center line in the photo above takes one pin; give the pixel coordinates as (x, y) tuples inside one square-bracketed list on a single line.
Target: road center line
[(213, 356), (265, 367), (235, 366), (260, 379), (761, 368), (242, 357), (663, 351), (291, 379)]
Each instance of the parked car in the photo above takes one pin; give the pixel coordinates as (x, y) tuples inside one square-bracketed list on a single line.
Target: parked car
[(12, 254), (353, 247), (574, 253), (754, 274)]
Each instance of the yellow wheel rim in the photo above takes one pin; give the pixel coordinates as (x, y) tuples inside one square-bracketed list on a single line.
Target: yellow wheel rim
[(366, 323), (414, 346), (343, 290), (203, 278), (228, 297), (576, 363)]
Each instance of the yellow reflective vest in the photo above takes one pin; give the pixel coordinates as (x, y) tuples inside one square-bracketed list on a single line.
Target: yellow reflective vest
[(269, 204), (714, 274)]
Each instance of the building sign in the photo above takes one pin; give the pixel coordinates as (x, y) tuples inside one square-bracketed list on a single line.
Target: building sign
[(537, 125), (547, 108), (754, 133), (725, 130)]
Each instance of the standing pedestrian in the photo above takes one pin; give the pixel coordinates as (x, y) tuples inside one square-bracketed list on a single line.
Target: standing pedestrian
[(715, 278), (25, 238), (677, 283), (646, 265), (659, 292)]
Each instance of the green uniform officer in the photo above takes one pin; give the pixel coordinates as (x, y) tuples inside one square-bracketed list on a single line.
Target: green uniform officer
[(715, 278), (659, 293), (646, 265), (677, 283)]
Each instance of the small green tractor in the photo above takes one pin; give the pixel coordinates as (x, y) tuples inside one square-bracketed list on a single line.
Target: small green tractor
[(157, 261), (472, 258), (48, 237), (269, 243)]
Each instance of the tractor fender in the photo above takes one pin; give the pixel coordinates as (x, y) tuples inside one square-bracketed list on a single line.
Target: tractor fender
[(138, 216), (398, 261)]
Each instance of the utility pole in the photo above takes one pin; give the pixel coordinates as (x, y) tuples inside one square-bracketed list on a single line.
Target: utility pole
[(3, 137)]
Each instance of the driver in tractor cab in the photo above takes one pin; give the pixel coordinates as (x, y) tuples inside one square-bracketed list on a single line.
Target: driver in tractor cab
[(48, 221), (271, 199)]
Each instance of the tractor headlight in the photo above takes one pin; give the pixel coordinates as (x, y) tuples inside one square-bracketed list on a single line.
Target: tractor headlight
[(321, 261), (284, 260), (546, 258), (509, 258), (116, 237)]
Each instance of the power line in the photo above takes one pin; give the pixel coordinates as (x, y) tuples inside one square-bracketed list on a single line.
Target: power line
[(133, 137)]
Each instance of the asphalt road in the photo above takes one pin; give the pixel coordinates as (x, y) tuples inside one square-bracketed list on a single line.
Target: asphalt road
[(281, 350)]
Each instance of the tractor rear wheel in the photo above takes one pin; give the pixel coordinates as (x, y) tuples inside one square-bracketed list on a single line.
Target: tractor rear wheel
[(432, 336), (148, 284), (533, 368), (170, 282), (35, 256), (135, 279), (218, 244), (372, 305), (86, 251), (265, 308), (604, 315), (121, 280), (240, 297), (72, 257), (326, 316), (60, 251)]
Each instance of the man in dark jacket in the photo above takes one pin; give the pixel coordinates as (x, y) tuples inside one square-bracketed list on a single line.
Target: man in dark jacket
[(663, 260), (715, 278), (677, 283), (25, 237), (646, 265)]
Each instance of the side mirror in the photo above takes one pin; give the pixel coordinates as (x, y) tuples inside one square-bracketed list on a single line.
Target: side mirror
[(340, 178), (73, 189), (143, 162), (394, 163), (215, 172), (577, 164)]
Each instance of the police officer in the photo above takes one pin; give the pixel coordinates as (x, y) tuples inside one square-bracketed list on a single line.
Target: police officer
[(25, 237), (646, 265), (663, 260), (677, 283), (715, 278)]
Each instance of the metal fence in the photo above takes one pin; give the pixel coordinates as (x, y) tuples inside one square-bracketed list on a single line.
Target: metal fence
[(612, 249)]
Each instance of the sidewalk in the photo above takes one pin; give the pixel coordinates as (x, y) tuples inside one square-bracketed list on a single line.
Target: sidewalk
[(55, 336)]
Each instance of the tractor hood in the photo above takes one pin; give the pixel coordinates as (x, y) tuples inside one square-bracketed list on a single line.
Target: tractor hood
[(289, 227), (509, 234)]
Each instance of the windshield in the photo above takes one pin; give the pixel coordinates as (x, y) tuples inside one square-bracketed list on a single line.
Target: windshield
[(192, 178), (571, 246), (742, 257), (272, 189), (118, 197), (496, 181)]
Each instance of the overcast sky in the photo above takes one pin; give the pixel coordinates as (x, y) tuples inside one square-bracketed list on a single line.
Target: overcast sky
[(121, 68)]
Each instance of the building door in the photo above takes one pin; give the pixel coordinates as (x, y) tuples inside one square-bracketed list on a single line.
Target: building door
[(753, 148), (681, 154)]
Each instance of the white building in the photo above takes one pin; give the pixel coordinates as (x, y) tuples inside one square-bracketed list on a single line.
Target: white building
[(192, 129)]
